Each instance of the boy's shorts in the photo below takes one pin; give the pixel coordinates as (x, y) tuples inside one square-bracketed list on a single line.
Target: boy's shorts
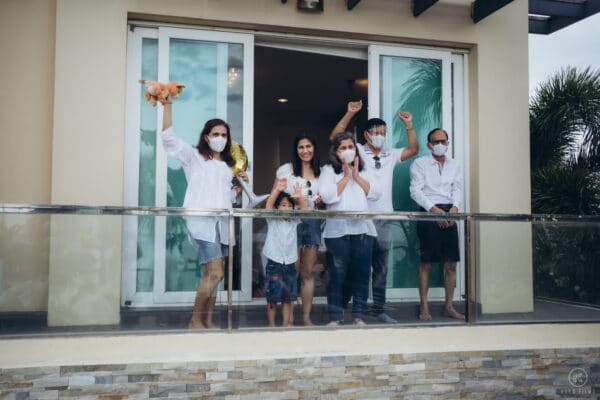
[(281, 282)]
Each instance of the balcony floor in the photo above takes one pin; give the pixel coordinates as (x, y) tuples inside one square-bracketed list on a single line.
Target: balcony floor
[(254, 317)]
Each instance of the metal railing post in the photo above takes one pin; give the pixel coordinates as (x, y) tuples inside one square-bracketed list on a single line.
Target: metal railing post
[(230, 272), (469, 270)]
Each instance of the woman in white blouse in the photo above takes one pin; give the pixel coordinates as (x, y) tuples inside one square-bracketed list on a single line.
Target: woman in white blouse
[(345, 186), (304, 170), (207, 169)]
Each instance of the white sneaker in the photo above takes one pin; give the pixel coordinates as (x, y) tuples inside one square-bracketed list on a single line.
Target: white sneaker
[(386, 319)]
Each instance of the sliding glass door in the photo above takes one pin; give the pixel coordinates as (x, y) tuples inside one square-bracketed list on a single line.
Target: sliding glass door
[(160, 262)]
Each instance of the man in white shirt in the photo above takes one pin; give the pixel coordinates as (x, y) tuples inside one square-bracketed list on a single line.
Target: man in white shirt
[(436, 186), (379, 163)]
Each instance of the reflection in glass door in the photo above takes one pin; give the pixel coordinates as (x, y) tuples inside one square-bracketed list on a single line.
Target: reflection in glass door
[(160, 262), (418, 81)]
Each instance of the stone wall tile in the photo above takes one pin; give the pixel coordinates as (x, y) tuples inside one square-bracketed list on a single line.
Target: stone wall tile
[(86, 369), (245, 363), (44, 395), (409, 367), (468, 375), (165, 390), (202, 366)]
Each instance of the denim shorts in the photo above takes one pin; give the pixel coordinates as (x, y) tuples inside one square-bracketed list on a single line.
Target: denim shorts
[(281, 282), (210, 251), (309, 232)]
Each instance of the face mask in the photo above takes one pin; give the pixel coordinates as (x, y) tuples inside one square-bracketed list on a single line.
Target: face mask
[(217, 144), (348, 155), (377, 141), (439, 149)]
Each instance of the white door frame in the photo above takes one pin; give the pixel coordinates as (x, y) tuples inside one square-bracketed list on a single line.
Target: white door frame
[(457, 148), (456, 123), (159, 297)]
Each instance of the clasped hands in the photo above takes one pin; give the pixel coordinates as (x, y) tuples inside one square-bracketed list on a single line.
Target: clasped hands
[(444, 223), (351, 171)]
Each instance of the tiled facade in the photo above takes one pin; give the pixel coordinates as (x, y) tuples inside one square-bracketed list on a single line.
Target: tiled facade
[(517, 374)]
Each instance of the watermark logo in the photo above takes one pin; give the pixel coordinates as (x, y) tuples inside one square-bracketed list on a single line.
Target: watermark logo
[(578, 377)]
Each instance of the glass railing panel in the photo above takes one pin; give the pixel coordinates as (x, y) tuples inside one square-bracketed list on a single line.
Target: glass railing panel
[(539, 271), (24, 252), (78, 269), (566, 262), (394, 293), (81, 273)]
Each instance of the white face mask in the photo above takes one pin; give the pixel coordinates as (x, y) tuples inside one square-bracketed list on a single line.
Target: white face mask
[(348, 155), (377, 140), (217, 144), (439, 149)]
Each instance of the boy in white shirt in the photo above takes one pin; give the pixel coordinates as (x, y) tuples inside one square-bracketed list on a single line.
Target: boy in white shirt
[(281, 251)]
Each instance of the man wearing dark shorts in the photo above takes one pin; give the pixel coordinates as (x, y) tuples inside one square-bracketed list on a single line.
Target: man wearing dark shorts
[(436, 186)]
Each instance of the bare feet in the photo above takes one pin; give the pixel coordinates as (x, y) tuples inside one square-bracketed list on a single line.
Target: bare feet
[(425, 316), (452, 313), (308, 322), (209, 324), (195, 324)]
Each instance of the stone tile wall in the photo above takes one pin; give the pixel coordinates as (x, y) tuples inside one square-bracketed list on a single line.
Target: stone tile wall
[(522, 374)]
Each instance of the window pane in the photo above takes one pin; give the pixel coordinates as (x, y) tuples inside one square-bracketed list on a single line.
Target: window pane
[(415, 85), (212, 73)]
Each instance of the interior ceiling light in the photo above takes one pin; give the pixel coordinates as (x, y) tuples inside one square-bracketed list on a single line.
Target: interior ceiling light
[(362, 82), (282, 100)]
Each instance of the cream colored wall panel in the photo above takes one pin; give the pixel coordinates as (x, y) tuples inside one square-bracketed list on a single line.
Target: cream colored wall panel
[(27, 79), (269, 345), (89, 117)]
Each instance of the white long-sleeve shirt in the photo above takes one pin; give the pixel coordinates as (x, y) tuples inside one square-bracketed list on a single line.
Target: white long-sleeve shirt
[(352, 198), (432, 183), (208, 186)]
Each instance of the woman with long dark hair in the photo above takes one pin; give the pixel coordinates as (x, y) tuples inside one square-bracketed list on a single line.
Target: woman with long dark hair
[(304, 169), (345, 186), (208, 173)]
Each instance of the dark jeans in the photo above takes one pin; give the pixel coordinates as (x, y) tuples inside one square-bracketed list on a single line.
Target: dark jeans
[(350, 256), (381, 249)]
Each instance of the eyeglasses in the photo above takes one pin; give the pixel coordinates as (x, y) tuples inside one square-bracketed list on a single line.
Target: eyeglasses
[(434, 142), (377, 162), (308, 185)]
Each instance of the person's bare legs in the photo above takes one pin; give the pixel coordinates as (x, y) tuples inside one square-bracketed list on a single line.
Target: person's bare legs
[(424, 270), (205, 295), (210, 308), (286, 308), (308, 260), (449, 284), (271, 313)]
